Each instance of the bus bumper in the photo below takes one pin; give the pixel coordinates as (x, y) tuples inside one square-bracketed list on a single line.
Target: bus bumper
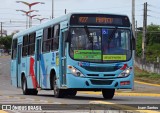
[(99, 83)]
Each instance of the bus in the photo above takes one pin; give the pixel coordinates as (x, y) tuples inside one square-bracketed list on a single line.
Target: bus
[(75, 52)]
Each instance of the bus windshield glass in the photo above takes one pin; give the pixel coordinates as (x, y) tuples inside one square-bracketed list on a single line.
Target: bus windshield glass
[(100, 44)]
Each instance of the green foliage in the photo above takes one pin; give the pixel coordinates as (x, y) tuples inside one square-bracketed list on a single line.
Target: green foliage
[(147, 75), (153, 34), (6, 41), (153, 52), (152, 43), (139, 45)]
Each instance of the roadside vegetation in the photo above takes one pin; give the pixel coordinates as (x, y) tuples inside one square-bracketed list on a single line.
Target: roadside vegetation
[(152, 43), (145, 76), (5, 43), (152, 53)]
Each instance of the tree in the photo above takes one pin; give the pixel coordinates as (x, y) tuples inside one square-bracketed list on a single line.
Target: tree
[(153, 34), (6, 42), (152, 43), (139, 45)]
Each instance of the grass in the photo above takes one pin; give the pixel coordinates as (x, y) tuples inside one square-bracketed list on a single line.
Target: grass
[(145, 76)]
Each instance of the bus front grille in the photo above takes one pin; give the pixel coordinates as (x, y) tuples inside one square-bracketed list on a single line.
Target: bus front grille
[(101, 82), (92, 74), (109, 74), (101, 69)]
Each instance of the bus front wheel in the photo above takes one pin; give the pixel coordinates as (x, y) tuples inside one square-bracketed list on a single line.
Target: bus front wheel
[(108, 93), (58, 93)]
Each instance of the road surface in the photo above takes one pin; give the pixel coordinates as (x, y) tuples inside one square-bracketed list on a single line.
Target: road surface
[(142, 94)]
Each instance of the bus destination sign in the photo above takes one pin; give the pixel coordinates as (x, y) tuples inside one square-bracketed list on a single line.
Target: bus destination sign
[(101, 20), (108, 20)]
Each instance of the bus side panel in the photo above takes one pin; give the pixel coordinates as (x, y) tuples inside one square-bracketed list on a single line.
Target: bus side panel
[(53, 65), (13, 72), (31, 79), (24, 66), (19, 63), (45, 66)]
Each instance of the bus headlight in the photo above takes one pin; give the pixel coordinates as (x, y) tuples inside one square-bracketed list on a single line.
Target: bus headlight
[(75, 71), (125, 73)]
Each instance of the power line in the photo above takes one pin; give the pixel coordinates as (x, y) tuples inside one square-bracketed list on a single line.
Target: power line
[(154, 17), (154, 12), (153, 6)]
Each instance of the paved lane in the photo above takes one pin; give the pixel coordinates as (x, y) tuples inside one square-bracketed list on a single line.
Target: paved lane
[(9, 94)]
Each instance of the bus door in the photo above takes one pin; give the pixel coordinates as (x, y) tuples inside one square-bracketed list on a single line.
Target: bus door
[(63, 58), (37, 60), (19, 65)]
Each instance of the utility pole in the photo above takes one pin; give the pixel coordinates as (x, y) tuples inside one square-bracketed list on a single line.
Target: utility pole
[(65, 11), (52, 9), (133, 17), (1, 29), (144, 33), (136, 32)]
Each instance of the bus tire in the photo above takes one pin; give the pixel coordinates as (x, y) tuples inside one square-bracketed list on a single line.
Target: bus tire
[(33, 92), (27, 91), (108, 93), (58, 93), (71, 92)]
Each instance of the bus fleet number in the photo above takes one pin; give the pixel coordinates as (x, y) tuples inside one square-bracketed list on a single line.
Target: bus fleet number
[(83, 19)]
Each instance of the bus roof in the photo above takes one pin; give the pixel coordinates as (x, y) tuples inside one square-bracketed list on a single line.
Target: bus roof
[(53, 21)]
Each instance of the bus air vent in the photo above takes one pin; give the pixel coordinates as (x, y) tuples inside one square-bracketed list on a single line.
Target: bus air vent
[(109, 74), (101, 69), (101, 82), (92, 74)]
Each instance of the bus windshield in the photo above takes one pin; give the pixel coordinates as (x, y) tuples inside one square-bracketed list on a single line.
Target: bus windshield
[(100, 44)]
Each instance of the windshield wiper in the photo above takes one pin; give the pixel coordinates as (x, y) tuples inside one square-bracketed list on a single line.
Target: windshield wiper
[(88, 35), (111, 36)]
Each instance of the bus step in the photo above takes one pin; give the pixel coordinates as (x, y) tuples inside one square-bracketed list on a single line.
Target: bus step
[(64, 86), (38, 89)]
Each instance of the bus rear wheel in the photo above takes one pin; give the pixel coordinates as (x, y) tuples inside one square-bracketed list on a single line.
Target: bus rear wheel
[(58, 93), (25, 89), (108, 93)]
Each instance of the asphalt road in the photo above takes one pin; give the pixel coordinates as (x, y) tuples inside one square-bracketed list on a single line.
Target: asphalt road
[(143, 94)]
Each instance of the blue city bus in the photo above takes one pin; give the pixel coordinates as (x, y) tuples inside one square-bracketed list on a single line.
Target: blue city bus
[(75, 52)]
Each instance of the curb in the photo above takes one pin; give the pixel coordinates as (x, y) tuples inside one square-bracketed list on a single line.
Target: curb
[(124, 94), (1, 111), (157, 85)]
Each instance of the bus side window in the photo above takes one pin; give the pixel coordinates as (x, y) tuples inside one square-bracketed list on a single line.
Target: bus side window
[(31, 46), (14, 49), (25, 46), (55, 36), (47, 35)]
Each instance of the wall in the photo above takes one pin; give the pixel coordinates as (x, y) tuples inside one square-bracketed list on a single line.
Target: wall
[(150, 67)]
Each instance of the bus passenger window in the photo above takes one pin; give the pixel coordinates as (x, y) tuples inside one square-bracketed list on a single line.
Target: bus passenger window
[(47, 36), (25, 46), (14, 49), (46, 46), (24, 51), (55, 36), (31, 46)]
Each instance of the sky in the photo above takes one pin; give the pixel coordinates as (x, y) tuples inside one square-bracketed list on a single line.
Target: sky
[(15, 20)]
